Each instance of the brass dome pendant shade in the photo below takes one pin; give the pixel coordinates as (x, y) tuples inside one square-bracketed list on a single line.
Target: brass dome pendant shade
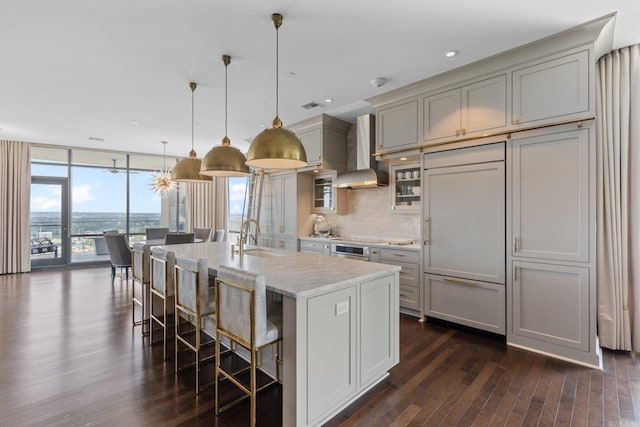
[(224, 160), (188, 169), (276, 147)]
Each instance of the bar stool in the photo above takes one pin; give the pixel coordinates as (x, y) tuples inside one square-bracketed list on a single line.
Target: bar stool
[(244, 317), (141, 254), (194, 306), (162, 280)]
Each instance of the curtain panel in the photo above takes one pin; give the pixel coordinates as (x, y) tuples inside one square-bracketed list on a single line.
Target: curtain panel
[(206, 204), (618, 198), (15, 191)]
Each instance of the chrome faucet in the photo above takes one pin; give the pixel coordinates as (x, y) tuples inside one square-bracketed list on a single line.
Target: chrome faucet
[(243, 234)]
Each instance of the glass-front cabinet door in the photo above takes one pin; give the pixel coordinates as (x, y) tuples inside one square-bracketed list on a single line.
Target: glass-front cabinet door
[(405, 187), (327, 199)]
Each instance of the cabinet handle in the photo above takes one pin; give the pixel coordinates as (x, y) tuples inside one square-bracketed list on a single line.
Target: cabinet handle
[(457, 132), (515, 278), (516, 244), (399, 255), (426, 230), (515, 121), (463, 131), (460, 282)]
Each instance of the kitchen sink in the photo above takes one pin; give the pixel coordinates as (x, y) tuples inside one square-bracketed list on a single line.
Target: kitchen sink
[(262, 252)]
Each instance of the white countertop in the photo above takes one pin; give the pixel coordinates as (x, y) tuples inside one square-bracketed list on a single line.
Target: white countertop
[(380, 243), (293, 274)]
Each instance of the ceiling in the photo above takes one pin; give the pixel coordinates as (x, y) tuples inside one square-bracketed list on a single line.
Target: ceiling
[(115, 74)]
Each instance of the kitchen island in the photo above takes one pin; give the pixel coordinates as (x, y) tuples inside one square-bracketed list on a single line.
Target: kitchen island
[(340, 323)]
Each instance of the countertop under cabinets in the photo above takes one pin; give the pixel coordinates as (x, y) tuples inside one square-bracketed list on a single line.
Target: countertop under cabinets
[(370, 242)]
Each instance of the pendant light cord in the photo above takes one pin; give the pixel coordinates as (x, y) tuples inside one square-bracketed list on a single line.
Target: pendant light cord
[(193, 89), (226, 97), (277, 70)]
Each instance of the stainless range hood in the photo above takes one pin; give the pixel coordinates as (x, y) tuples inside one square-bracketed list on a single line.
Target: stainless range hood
[(367, 174)]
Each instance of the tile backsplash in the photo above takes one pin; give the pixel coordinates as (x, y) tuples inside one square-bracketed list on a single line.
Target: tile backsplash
[(369, 215)]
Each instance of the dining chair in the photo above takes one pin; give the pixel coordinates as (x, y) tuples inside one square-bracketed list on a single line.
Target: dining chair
[(244, 318), (218, 236), (203, 234), (156, 233), (162, 287), (194, 305), (178, 238), (141, 254), (119, 254)]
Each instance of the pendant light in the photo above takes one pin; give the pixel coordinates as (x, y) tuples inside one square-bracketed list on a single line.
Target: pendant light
[(276, 147), (224, 160), (161, 182), (188, 169)]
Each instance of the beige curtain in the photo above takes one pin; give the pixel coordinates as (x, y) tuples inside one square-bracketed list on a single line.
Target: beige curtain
[(618, 198), (15, 190), (206, 204)]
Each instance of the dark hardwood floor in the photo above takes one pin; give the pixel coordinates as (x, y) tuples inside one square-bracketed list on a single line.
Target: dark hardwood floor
[(69, 356)]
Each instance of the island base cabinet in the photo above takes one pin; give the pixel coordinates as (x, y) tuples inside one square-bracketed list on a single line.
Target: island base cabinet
[(379, 326), (551, 304), (476, 304), (336, 346)]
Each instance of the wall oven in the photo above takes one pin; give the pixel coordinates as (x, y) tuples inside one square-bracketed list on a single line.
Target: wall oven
[(350, 250)]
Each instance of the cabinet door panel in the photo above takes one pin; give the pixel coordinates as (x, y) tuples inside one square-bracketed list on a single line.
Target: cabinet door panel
[(465, 220), (551, 303), (312, 143), (441, 115), (475, 304), (484, 105), (377, 337), (550, 196), (551, 90), (331, 364), (397, 125)]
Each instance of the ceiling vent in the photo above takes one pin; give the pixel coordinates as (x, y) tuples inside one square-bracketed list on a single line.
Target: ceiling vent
[(310, 105), (95, 138)]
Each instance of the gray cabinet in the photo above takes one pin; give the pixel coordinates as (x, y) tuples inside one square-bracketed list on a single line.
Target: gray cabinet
[(410, 288), (464, 236), (313, 246), (553, 89), (397, 125), (378, 299), (551, 230), (471, 303), (466, 111), (550, 204), (331, 321), (325, 141), (327, 199), (404, 187), (279, 205), (552, 303)]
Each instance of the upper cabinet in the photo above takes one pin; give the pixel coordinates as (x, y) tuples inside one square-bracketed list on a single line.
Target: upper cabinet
[(397, 126), (327, 199), (466, 111), (278, 215), (405, 187), (548, 82), (553, 89), (325, 141)]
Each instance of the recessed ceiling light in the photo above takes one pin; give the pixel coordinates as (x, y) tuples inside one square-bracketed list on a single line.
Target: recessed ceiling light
[(328, 100), (403, 158), (450, 53), (133, 122)]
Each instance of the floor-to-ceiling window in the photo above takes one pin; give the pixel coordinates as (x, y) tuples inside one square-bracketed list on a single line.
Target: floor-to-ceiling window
[(236, 197), (107, 191)]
